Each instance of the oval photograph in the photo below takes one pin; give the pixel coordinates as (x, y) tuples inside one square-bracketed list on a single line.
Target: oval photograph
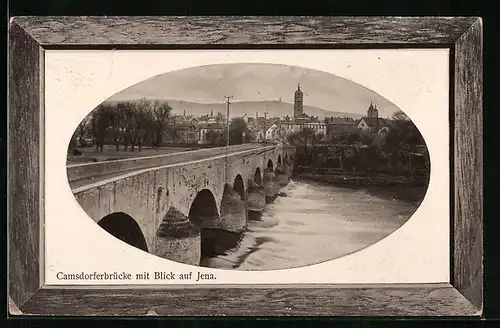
[(248, 166)]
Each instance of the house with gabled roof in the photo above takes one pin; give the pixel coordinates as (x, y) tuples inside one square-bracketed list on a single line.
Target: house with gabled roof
[(204, 128), (372, 123)]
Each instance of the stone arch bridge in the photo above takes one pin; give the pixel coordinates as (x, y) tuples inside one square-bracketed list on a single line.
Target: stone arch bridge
[(163, 204)]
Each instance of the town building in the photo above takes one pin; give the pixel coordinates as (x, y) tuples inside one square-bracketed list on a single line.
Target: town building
[(272, 132), (373, 124), (257, 135), (207, 137), (186, 133), (340, 126), (211, 118), (300, 119)]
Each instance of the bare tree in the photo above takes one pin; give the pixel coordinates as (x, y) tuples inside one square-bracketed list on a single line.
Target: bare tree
[(161, 113), (83, 127), (141, 112), (128, 116), (101, 120), (399, 115), (116, 126)]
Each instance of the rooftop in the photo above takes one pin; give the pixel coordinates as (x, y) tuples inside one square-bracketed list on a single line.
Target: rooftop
[(372, 122)]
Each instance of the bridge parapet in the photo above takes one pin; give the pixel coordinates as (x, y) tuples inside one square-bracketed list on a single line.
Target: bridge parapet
[(180, 203), (89, 170)]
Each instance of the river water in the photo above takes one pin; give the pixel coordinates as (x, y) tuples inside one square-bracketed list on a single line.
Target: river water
[(311, 223)]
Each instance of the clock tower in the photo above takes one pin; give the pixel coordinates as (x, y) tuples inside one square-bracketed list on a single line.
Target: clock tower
[(298, 105)]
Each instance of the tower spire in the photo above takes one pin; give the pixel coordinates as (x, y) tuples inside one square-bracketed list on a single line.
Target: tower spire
[(298, 102)]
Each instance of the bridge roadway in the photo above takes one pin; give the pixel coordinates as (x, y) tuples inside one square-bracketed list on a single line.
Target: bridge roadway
[(80, 176)]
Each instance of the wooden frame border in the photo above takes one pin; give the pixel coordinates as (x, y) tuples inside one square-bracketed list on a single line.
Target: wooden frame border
[(30, 36)]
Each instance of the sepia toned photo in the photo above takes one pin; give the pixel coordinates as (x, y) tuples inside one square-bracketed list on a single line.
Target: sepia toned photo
[(211, 166), (248, 166)]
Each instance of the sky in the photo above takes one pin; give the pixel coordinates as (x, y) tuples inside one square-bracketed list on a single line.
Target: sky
[(259, 82)]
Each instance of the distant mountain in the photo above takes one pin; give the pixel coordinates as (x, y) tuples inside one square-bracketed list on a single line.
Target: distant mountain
[(250, 108), (260, 82)]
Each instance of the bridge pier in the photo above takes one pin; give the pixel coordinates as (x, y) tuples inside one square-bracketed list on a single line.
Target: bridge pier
[(256, 200), (288, 165), (178, 239), (282, 176), (217, 236), (271, 186), (233, 216)]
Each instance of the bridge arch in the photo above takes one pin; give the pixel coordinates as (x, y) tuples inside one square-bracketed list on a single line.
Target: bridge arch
[(270, 165), (203, 207), (239, 186), (125, 228), (257, 176)]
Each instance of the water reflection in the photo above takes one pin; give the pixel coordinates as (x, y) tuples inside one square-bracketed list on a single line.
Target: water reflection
[(308, 223)]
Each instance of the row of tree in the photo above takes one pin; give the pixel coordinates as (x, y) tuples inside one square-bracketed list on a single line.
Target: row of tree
[(130, 124), (134, 124)]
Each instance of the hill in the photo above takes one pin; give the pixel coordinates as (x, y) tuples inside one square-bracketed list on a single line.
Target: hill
[(250, 108)]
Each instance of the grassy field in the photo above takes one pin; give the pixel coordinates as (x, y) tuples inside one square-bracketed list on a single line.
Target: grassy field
[(109, 153)]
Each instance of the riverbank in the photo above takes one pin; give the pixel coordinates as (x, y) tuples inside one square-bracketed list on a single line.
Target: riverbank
[(386, 188)]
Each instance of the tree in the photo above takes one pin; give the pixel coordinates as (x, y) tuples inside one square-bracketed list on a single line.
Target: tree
[(214, 137), (313, 138), (101, 120), (116, 120), (401, 142), (161, 114), (82, 128), (237, 127), (400, 116), (308, 138), (250, 136), (128, 114), (295, 138), (145, 121), (366, 139), (351, 138)]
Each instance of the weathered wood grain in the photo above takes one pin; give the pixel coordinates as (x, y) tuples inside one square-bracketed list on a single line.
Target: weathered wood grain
[(468, 162), (25, 107), (13, 309), (430, 300), (253, 30)]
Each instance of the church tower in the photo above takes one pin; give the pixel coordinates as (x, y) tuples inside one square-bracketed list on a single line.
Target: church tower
[(373, 118), (298, 105), (372, 111)]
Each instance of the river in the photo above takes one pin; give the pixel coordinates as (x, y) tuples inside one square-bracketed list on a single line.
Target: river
[(311, 223)]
